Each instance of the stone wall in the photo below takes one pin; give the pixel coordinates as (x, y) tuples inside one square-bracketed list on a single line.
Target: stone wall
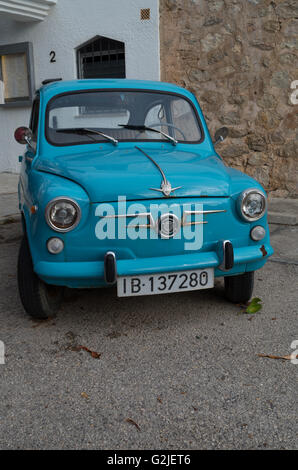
[(240, 57)]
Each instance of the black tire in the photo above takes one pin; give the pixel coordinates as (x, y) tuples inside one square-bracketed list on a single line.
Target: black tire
[(40, 300), (238, 289)]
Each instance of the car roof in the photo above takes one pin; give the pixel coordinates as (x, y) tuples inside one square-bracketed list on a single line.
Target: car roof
[(54, 88)]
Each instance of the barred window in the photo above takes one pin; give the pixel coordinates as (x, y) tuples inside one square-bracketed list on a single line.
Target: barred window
[(101, 57)]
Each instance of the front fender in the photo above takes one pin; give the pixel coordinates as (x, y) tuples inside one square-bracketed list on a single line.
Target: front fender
[(42, 188), (241, 181)]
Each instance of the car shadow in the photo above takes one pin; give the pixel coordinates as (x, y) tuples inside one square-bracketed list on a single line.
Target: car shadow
[(102, 308)]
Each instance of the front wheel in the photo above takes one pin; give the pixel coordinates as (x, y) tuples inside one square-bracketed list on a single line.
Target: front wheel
[(238, 289), (40, 300)]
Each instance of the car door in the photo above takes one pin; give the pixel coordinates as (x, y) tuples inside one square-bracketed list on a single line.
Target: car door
[(30, 153)]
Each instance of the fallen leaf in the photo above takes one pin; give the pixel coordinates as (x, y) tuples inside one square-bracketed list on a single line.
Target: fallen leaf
[(254, 306), (84, 395), (131, 421), (272, 356), (94, 354)]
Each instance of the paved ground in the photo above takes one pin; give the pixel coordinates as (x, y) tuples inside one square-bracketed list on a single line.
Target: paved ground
[(183, 367)]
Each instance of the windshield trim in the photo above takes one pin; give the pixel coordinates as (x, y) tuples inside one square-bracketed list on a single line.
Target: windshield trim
[(93, 90)]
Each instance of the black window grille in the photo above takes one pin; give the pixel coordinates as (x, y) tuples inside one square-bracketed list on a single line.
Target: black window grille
[(101, 58)]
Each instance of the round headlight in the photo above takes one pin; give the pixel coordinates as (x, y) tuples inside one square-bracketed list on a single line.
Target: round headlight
[(62, 214), (252, 204)]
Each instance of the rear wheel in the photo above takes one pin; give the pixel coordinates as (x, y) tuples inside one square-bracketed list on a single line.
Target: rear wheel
[(238, 289), (40, 300)]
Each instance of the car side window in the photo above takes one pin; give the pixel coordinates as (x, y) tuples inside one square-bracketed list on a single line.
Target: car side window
[(34, 120)]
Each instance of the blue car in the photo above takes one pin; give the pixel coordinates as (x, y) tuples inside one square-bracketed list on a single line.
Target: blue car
[(120, 185)]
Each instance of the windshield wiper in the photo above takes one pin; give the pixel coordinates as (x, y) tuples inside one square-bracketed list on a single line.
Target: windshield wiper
[(86, 131), (145, 128)]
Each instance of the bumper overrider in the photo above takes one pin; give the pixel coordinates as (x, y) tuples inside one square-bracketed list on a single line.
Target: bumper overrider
[(226, 260)]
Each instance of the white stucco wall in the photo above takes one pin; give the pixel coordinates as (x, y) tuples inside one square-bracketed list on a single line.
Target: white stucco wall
[(69, 24)]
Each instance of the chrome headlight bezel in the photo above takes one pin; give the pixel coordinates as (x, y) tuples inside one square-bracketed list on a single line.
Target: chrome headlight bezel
[(241, 201), (48, 213)]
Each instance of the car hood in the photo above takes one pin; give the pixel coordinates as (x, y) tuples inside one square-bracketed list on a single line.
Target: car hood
[(105, 175)]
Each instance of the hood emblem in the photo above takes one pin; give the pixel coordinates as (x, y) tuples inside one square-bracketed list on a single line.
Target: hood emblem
[(165, 187)]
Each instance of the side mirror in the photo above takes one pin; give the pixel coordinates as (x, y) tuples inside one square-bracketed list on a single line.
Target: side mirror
[(23, 135), (220, 135)]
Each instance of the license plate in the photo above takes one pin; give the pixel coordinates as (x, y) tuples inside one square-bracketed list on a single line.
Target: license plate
[(164, 283)]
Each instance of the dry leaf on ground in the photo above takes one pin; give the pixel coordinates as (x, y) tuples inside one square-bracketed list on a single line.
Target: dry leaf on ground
[(94, 354), (272, 356), (131, 421)]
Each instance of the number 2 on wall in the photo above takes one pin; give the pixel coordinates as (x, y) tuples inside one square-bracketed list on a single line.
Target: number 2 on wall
[(52, 56)]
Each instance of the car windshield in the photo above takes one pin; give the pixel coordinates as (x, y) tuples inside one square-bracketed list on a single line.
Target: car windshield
[(122, 116)]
